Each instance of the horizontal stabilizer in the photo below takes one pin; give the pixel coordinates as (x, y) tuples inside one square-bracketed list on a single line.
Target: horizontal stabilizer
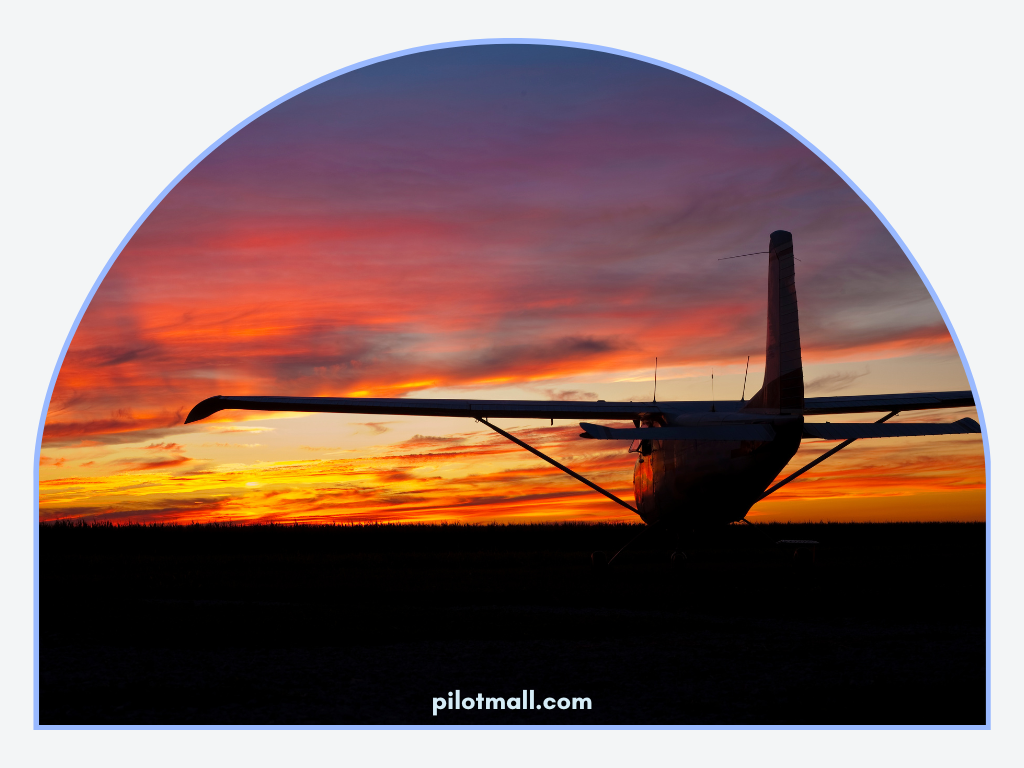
[(911, 401), (733, 432), (859, 431)]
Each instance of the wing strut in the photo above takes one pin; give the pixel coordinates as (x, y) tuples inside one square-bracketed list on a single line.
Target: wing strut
[(818, 460), (562, 467)]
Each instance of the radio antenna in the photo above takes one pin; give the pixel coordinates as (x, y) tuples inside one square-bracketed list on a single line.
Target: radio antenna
[(745, 379), (755, 253), (655, 379)]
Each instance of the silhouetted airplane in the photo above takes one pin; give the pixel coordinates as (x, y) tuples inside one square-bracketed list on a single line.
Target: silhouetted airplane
[(699, 462)]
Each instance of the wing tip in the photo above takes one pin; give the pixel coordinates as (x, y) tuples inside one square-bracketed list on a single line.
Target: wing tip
[(207, 407)]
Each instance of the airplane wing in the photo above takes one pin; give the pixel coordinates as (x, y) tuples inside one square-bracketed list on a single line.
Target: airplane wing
[(402, 406), (914, 401), (560, 409), (859, 431)]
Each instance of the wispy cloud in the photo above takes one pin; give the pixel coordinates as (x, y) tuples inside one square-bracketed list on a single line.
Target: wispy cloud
[(376, 427), (569, 394), (833, 382), (142, 464)]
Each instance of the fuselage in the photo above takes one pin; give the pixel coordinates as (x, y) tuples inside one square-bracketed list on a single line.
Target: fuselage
[(696, 483), (689, 484)]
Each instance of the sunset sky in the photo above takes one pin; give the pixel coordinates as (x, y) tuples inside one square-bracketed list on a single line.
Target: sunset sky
[(511, 221)]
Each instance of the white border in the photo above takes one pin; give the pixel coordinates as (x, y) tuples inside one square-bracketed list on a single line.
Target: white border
[(914, 104)]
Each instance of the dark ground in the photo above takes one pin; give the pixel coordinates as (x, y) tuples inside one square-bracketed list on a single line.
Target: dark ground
[(366, 625)]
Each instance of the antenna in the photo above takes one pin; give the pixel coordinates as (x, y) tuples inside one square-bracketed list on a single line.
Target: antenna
[(655, 379), (745, 379), (755, 253)]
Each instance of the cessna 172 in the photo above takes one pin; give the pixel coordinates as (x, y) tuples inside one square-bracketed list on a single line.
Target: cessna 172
[(699, 463)]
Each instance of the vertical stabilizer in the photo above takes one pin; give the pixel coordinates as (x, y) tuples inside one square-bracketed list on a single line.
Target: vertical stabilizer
[(783, 387)]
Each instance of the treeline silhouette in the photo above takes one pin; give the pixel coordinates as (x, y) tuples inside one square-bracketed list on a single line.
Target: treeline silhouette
[(502, 537)]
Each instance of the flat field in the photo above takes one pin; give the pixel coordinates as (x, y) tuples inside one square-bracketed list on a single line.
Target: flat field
[(354, 625)]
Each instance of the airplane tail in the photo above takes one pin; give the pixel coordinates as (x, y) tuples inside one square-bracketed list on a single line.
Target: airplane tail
[(783, 387)]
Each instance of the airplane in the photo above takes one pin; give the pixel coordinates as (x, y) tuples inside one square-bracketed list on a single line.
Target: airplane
[(700, 463)]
